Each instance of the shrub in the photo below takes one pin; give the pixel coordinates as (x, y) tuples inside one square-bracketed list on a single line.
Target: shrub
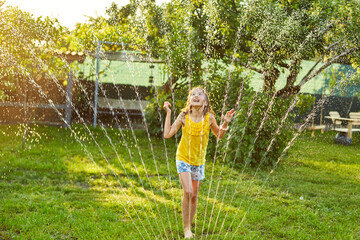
[(154, 112), (260, 131), (215, 82), (258, 135)]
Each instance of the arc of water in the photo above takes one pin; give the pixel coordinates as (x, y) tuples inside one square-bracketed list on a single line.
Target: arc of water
[(75, 111), (214, 161), (167, 164), (225, 154), (238, 35), (173, 101), (268, 149), (206, 70), (136, 143), (149, 51), (265, 116), (160, 117), (301, 129), (122, 137), (152, 152), (263, 158), (249, 113), (170, 178), (232, 62), (207, 52), (187, 20), (26, 74), (316, 32), (173, 95), (118, 157), (251, 107)]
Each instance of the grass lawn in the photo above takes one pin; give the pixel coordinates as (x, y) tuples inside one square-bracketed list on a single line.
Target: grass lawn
[(65, 185)]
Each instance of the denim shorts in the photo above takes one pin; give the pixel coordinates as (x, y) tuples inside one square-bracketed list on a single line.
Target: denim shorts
[(197, 172)]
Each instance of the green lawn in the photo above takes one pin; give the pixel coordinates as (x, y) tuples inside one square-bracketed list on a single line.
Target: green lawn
[(57, 188)]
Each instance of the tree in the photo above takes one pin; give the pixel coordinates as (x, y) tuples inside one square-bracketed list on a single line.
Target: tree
[(27, 47), (116, 26), (200, 39), (270, 37)]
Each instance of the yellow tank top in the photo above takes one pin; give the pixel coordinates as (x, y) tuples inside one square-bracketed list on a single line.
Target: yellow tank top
[(194, 140)]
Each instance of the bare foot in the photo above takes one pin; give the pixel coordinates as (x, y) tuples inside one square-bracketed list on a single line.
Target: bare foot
[(188, 234)]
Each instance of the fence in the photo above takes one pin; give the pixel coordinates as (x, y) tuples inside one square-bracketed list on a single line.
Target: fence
[(25, 104)]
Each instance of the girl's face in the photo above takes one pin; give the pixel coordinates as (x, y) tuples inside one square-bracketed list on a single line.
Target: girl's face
[(197, 98)]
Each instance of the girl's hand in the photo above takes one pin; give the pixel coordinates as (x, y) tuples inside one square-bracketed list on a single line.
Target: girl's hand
[(229, 114), (167, 106)]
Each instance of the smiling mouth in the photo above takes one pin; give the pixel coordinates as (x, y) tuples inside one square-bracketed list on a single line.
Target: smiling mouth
[(196, 100)]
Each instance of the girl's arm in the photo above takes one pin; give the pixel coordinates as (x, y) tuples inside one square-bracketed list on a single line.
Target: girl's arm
[(169, 131), (220, 131)]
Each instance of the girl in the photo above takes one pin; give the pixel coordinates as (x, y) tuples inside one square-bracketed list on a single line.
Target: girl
[(196, 120)]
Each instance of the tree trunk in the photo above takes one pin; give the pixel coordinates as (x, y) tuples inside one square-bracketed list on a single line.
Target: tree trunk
[(169, 83), (270, 77), (25, 116), (288, 92)]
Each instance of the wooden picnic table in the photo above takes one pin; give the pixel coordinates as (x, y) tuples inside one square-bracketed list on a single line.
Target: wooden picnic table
[(349, 128)]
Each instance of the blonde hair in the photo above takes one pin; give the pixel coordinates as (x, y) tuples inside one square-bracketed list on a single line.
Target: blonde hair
[(207, 107)]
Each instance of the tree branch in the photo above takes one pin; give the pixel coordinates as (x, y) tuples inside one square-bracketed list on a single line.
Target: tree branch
[(328, 63), (327, 28), (253, 68), (284, 65), (246, 65), (334, 44), (319, 60), (294, 71), (232, 9), (261, 46), (313, 67)]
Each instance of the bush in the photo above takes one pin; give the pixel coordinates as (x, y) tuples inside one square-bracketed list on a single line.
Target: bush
[(249, 142), (258, 135), (154, 112), (215, 83)]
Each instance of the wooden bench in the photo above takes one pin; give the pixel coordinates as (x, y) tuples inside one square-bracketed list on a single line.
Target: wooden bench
[(316, 127), (355, 124), (356, 116), (335, 114), (346, 130), (349, 130), (344, 135), (121, 107)]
